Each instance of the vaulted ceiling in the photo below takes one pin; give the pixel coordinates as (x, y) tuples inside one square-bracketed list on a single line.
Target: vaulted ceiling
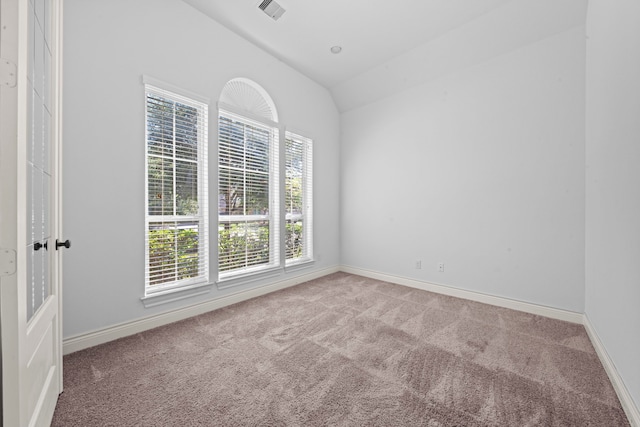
[(380, 40)]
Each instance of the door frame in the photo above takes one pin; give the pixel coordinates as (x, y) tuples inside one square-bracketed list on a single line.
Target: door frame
[(13, 209)]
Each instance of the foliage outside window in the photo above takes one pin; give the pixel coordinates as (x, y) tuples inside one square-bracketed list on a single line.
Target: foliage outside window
[(247, 195), (298, 199), (176, 211)]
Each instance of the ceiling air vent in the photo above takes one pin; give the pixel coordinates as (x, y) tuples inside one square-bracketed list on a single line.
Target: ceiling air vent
[(272, 9)]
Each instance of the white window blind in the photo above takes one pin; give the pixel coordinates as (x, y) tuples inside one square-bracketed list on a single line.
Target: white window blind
[(176, 229), (298, 198), (248, 200)]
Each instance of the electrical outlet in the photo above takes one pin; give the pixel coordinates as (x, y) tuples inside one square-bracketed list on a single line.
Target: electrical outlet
[(441, 267), (418, 265)]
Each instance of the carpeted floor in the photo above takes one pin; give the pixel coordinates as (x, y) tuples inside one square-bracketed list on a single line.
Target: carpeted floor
[(344, 350)]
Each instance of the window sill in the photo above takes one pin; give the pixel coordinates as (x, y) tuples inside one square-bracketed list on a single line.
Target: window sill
[(299, 264), (175, 294), (244, 278)]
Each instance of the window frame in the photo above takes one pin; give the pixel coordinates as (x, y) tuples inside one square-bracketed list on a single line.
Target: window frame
[(201, 104), (307, 199), (273, 216)]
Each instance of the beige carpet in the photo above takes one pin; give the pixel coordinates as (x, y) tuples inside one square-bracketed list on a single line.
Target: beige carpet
[(344, 350)]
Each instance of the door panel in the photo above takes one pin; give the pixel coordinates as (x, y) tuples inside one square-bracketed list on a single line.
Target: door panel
[(38, 368), (30, 212), (38, 159)]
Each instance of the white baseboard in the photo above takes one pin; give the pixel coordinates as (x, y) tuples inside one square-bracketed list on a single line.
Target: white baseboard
[(102, 336), (554, 313), (626, 400), (90, 339)]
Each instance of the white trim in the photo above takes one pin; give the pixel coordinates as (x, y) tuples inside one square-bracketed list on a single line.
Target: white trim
[(299, 264), (175, 294), (554, 313), (148, 80), (248, 276), (626, 400), (177, 95), (148, 303), (307, 198), (244, 93), (245, 115), (80, 342), (227, 278), (298, 132), (57, 132), (11, 300)]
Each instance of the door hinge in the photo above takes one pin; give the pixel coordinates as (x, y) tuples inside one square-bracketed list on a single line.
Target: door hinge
[(7, 262), (8, 73)]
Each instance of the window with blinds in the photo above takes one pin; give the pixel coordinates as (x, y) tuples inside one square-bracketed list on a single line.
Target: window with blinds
[(298, 199), (176, 232), (248, 200)]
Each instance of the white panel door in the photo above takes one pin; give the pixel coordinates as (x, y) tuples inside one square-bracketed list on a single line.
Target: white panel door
[(30, 304)]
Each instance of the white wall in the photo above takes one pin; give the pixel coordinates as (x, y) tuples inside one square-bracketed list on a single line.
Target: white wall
[(482, 169), (613, 183), (515, 23), (108, 46)]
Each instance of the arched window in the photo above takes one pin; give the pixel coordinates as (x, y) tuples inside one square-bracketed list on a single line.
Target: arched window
[(248, 180), (259, 228), (265, 218), (246, 96)]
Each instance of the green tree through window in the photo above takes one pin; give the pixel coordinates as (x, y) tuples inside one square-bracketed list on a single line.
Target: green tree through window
[(298, 198), (176, 243), (245, 184)]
